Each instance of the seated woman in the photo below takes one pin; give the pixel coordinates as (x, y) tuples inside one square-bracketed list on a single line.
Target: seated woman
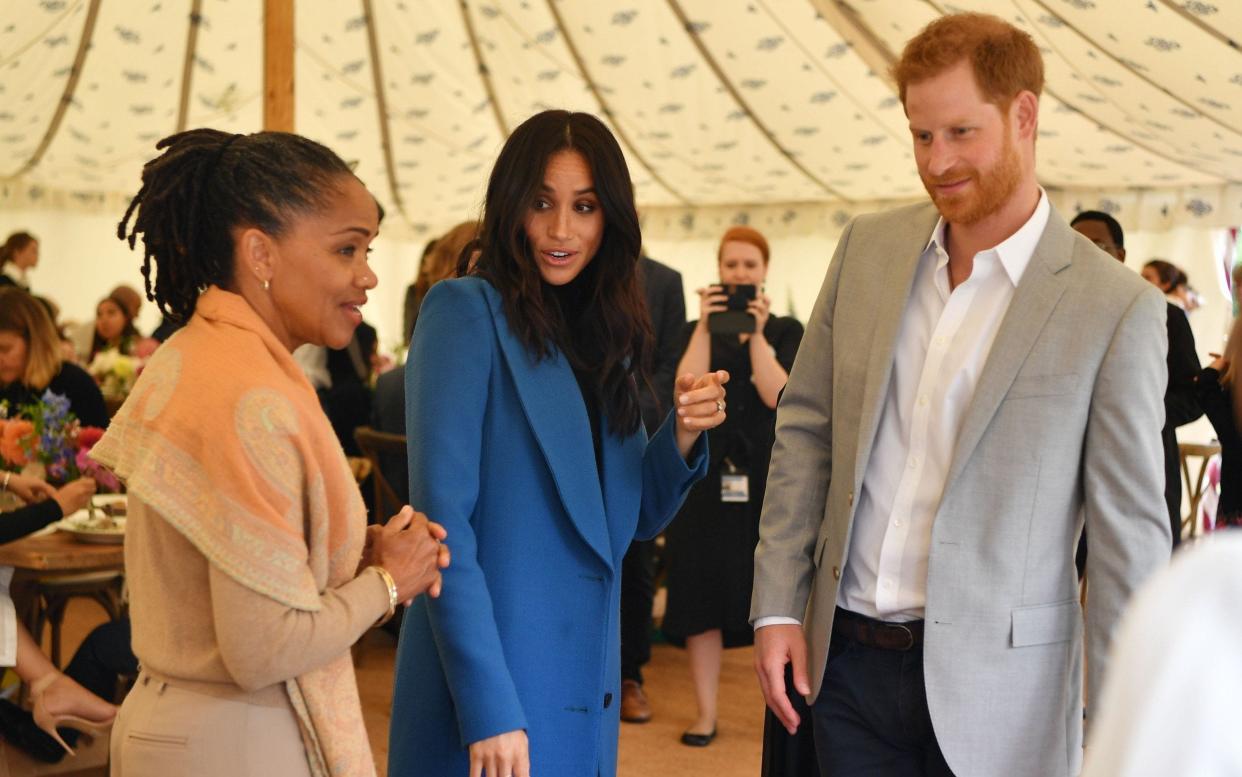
[(57, 699), (45, 504), (31, 362), (114, 323)]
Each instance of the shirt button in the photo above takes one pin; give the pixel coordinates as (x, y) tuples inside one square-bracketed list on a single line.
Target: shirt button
[(914, 462), (923, 400), (897, 522), (888, 585), (607, 700), (940, 341), (836, 573)]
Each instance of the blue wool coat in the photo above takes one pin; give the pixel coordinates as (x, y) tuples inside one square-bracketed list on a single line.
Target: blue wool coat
[(525, 634)]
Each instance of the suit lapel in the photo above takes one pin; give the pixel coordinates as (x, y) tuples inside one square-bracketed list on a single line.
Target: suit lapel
[(900, 257), (552, 401), (1038, 291)]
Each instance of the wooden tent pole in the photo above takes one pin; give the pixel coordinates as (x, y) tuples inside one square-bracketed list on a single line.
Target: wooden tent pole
[(278, 65)]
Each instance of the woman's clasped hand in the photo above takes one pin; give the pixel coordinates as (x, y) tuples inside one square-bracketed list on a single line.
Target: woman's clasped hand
[(411, 549)]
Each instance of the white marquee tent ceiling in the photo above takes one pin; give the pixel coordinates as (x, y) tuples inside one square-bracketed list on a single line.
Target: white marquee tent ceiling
[(727, 106)]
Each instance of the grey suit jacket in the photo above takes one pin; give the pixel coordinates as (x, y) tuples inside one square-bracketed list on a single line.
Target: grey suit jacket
[(1064, 425)]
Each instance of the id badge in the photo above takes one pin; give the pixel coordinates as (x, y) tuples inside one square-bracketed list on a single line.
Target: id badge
[(734, 487)]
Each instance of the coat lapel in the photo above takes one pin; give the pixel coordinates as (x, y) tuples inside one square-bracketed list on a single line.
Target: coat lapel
[(623, 487), (549, 394), (900, 254), (1038, 291)]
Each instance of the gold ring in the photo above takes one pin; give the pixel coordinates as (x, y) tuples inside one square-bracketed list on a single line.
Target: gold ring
[(720, 405)]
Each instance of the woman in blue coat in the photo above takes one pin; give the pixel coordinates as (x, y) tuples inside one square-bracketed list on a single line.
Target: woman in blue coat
[(525, 442)]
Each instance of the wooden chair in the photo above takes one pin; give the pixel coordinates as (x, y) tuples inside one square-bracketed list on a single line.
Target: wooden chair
[(49, 595), (1194, 486), (376, 445)]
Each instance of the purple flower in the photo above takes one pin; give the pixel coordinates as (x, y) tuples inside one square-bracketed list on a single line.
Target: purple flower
[(57, 407)]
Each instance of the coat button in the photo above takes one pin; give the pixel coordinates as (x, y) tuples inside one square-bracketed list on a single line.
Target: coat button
[(836, 573), (607, 700), (851, 499)]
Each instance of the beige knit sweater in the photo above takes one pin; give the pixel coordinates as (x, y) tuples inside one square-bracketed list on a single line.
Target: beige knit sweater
[(192, 621)]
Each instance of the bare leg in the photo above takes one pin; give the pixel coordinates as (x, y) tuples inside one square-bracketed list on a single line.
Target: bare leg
[(706, 652), (61, 696)]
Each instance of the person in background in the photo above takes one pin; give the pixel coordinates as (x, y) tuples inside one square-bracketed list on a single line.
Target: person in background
[(412, 301), (1181, 402), (18, 255), (59, 697), (68, 352), (250, 568), (114, 324), (711, 544), (45, 504), (440, 261), (31, 361), (1217, 391), (388, 407), (666, 305), (1174, 282), (525, 439), (347, 398)]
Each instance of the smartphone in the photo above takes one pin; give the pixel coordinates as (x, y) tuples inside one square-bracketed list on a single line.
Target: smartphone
[(735, 319)]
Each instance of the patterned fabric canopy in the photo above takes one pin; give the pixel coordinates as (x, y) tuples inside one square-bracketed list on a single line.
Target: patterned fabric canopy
[(728, 110)]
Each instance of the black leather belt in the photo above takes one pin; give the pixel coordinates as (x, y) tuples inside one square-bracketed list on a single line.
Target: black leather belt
[(870, 632)]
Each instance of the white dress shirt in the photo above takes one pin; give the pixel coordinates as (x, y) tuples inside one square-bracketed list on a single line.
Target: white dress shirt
[(942, 346)]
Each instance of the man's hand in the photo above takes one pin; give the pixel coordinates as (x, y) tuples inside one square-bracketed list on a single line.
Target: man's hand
[(776, 646)]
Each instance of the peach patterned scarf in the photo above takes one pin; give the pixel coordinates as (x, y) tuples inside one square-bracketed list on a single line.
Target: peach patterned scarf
[(224, 437)]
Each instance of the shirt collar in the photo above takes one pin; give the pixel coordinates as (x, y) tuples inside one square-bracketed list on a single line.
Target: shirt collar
[(1016, 251)]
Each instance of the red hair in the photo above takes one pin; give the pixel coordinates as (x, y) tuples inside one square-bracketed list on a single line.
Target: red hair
[(1005, 60), (743, 234)]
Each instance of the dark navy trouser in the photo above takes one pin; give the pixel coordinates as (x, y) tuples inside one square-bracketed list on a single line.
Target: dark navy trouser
[(871, 717)]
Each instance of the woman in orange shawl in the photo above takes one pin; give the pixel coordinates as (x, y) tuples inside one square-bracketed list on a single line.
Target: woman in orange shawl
[(245, 541)]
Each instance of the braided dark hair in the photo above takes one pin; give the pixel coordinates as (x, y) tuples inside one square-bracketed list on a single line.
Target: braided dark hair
[(205, 184)]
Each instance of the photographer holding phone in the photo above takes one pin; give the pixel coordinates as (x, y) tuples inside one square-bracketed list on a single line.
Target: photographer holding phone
[(710, 545)]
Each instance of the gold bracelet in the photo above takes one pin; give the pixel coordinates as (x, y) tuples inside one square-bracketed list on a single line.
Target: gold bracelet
[(5, 487), (393, 597)]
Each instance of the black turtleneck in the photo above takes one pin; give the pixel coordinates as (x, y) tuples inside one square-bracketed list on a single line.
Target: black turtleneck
[(575, 301)]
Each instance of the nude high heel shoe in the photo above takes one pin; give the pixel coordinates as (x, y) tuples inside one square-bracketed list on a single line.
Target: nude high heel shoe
[(48, 721)]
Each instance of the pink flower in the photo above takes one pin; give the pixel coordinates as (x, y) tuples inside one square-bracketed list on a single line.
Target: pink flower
[(92, 469)]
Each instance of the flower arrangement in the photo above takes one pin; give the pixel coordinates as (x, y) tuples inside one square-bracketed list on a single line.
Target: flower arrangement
[(115, 372), (46, 435)]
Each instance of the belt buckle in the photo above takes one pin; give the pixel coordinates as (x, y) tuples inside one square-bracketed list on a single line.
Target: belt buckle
[(908, 634)]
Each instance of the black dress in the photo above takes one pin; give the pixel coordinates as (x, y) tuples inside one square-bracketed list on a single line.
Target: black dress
[(1217, 403), (711, 544), (73, 383)]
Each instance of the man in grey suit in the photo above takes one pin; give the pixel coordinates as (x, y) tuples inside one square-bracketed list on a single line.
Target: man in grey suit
[(975, 380)]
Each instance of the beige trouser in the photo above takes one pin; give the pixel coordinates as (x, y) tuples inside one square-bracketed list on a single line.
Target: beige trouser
[(187, 729)]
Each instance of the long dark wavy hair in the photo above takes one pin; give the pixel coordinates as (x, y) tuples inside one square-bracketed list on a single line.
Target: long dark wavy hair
[(612, 342)]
